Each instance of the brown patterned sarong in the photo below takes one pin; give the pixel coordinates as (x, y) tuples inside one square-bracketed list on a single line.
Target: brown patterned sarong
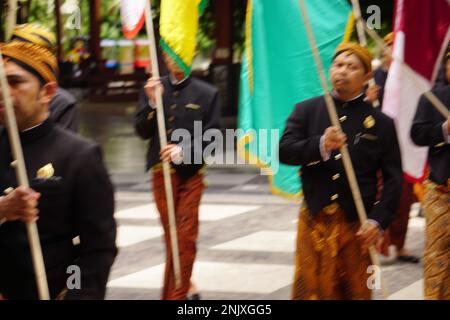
[(330, 262), (437, 244), (186, 195)]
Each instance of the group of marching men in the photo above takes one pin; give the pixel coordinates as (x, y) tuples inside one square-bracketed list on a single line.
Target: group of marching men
[(71, 195)]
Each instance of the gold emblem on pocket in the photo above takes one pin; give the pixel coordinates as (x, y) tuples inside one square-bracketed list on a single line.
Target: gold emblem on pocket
[(46, 172), (369, 122), (192, 106)]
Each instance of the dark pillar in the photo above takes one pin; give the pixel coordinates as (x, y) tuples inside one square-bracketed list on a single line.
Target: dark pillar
[(222, 59), (59, 50), (2, 19), (23, 12), (94, 23), (223, 53)]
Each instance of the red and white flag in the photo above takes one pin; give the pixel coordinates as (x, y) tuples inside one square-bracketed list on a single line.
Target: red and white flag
[(421, 38), (132, 16)]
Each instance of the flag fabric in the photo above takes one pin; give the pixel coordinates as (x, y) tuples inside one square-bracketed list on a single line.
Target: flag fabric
[(132, 17), (421, 37), (278, 71), (178, 30)]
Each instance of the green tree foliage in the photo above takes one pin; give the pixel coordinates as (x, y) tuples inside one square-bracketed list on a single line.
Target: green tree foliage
[(111, 26), (110, 22)]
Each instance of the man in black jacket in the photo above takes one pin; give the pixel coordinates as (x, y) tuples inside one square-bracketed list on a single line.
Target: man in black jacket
[(431, 129), (76, 203), (191, 107), (331, 259)]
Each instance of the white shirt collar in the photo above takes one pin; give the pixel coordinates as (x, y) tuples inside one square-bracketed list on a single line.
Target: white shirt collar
[(32, 127), (334, 94), (175, 81)]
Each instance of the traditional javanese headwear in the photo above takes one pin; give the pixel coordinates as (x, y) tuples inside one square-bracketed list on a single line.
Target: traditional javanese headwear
[(34, 33), (34, 58), (353, 48), (389, 39)]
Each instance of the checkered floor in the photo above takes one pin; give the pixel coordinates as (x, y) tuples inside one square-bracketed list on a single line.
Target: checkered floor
[(245, 251)]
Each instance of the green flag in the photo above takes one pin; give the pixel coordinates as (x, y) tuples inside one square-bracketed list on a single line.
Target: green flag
[(278, 71)]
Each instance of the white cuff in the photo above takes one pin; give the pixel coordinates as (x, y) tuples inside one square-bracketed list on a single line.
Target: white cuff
[(325, 155), (177, 155), (445, 132), (151, 104), (376, 223)]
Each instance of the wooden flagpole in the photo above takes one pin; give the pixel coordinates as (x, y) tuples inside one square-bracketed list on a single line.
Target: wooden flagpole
[(362, 38), (22, 179), (163, 143), (344, 150)]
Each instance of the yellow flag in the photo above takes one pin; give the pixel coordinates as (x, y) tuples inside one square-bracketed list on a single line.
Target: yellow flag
[(178, 29)]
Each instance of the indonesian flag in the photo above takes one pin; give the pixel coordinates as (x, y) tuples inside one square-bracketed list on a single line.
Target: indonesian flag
[(421, 38), (132, 16)]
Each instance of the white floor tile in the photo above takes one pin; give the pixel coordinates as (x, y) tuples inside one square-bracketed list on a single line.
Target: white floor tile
[(146, 212), (411, 292), (416, 222), (415, 209), (129, 235), (214, 212), (208, 212), (266, 241), (218, 277)]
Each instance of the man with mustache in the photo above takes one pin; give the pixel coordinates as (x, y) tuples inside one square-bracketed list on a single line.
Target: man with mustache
[(332, 259)]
